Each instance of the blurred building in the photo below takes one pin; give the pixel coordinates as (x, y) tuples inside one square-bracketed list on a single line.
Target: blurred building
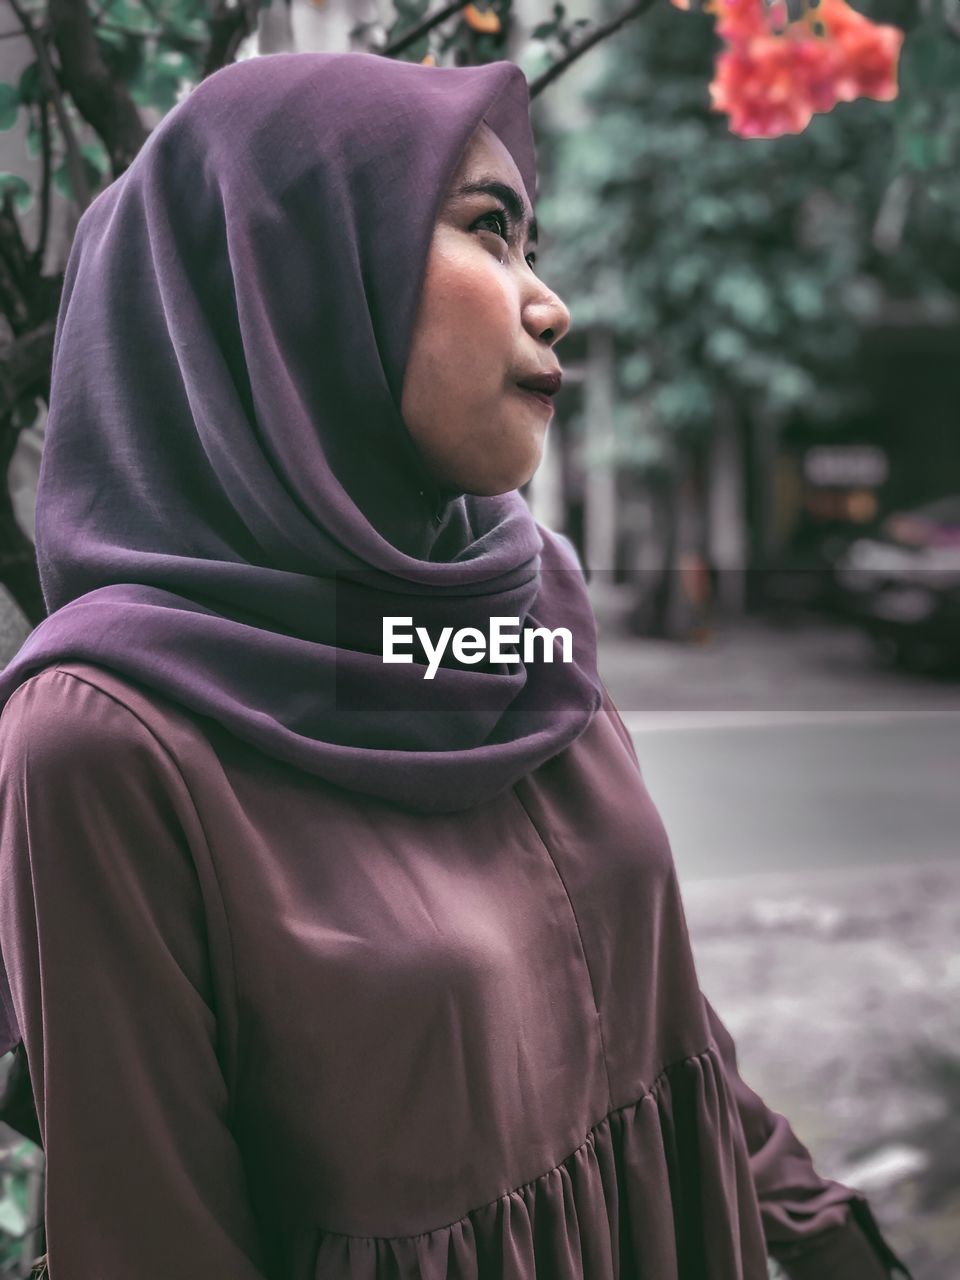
[(835, 481)]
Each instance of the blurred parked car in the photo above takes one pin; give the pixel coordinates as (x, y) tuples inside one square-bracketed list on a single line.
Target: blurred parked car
[(902, 584)]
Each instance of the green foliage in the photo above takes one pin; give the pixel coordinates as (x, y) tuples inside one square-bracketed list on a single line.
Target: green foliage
[(22, 195), (155, 51), (559, 30), (29, 87), (155, 60), (9, 105), (407, 13), (22, 1162), (96, 164), (927, 133), (159, 79)]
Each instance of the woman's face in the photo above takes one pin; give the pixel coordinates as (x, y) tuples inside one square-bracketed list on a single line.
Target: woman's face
[(485, 320)]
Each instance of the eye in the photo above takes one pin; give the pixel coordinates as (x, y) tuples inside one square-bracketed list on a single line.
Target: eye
[(503, 221)]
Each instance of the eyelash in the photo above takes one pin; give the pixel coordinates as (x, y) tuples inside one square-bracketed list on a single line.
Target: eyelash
[(504, 220)]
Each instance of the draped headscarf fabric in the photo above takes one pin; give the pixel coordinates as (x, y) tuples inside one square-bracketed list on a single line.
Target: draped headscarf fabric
[(229, 500)]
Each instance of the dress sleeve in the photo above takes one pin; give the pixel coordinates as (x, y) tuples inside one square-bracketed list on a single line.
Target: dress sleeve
[(102, 930), (815, 1228)]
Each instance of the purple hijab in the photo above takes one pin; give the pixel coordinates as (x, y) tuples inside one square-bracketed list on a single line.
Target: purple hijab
[(229, 500)]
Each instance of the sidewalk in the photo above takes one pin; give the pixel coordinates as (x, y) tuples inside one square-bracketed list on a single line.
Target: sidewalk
[(842, 992), (754, 664)]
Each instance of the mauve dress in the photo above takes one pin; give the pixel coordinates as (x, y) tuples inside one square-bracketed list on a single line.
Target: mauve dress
[(277, 1029)]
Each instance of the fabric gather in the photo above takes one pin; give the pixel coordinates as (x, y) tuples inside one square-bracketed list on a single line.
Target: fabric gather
[(647, 1193)]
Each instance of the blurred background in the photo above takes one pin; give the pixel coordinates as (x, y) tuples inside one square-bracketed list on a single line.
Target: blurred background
[(756, 451)]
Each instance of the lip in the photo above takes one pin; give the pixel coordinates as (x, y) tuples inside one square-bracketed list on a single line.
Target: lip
[(546, 382), (537, 395)]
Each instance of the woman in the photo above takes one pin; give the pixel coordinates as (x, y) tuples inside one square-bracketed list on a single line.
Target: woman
[(324, 969)]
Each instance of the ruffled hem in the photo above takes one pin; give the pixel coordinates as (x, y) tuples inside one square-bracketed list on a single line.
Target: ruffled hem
[(659, 1190)]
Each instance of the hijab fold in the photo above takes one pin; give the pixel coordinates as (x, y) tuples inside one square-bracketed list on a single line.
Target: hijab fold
[(229, 500)]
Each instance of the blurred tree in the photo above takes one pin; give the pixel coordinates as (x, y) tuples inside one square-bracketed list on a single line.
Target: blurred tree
[(745, 268), (748, 265), (101, 65)]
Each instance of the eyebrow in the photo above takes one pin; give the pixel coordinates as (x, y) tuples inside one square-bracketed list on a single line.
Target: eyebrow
[(508, 195)]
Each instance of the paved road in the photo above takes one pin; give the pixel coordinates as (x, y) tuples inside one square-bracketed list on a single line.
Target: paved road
[(775, 748), (789, 793)]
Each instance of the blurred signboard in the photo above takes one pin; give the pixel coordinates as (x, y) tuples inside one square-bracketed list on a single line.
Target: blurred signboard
[(846, 465)]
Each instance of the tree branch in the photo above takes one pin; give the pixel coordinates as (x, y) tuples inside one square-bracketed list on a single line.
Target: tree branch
[(229, 27), (14, 268), (594, 37), (46, 147), (175, 39), (48, 79), (104, 103), (25, 366), (422, 27), (18, 33)]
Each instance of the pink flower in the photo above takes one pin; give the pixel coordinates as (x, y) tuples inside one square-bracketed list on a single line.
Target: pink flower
[(773, 74)]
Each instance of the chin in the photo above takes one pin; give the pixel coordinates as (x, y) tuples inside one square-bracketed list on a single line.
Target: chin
[(493, 488), (505, 479)]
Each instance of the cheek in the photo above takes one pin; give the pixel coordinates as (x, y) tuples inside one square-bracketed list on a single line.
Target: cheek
[(462, 345), (470, 308)]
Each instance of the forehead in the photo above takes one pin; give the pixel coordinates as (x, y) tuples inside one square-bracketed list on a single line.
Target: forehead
[(486, 154)]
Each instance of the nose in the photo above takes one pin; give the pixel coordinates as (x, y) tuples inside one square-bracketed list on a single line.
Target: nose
[(546, 315)]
